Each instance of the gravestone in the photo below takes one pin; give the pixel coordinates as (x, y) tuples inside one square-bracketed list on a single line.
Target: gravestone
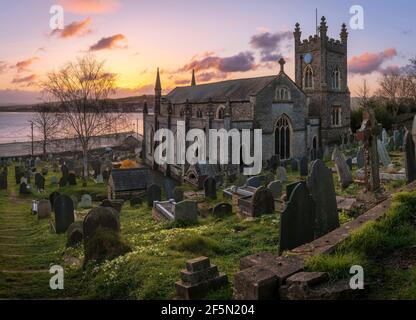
[(349, 163), (39, 181), (177, 194), (303, 166), (297, 220), (45, 171), (100, 217), (410, 158), (64, 213), (116, 204), (86, 201), (153, 194), (3, 180), (343, 171), (274, 163), (294, 165), (52, 198), (186, 211), (360, 158), (398, 139), (384, 137), (290, 187), (100, 179), (254, 182), (64, 171), (262, 202), (210, 188), (75, 234), (321, 185), (44, 209), (63, 181), (222, 209), (275, 188), (136, 201), (282, 174), (23, 189), (23, 180), (72, 179), (383, 154), (75, 201), (54, 180)]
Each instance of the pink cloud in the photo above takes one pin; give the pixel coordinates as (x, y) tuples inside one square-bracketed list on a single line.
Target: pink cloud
[(369, 62), (89, 6), (74, 29), (29, 80), (109, 43), (25, 64)]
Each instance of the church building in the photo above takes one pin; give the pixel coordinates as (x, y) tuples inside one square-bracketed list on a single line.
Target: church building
[(298, 117)]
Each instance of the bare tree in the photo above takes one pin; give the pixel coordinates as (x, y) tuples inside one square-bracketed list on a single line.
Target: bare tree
[(82, 89), (46, 123), (363, 94)]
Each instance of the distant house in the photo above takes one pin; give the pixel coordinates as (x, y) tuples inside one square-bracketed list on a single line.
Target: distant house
[(128, 183)]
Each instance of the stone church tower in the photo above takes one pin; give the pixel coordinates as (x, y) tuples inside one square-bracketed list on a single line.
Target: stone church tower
[(321, 71)]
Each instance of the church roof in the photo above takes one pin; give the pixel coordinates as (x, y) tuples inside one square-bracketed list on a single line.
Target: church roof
[(235, 90)]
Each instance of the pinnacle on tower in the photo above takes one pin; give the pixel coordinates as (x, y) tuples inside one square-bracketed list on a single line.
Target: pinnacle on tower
[(282, 63), (193, 81), (158, 86)]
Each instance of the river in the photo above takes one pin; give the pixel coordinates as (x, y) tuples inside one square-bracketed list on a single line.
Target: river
[(15, 126)]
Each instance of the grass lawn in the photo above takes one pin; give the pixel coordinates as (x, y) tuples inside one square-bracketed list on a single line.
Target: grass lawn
[(159, 249)]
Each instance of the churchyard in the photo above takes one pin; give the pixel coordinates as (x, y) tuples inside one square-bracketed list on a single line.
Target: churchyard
[(149, 239)]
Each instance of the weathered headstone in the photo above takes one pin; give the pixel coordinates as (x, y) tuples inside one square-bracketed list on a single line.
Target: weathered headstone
[(343, 171), (281, 174), (116, 204), (321, 185), (210, 188), (303, 165), (64, 213), (297, 220), (294, 165), (75, 234), (100, 217), (72, 179), (44, 209), (39, 181), (275, 188), (154, 193), (349, 163), (256, 181), (54, 180), (384, 137), (262, 202), (23, 189), (177, 194), (186, 211), (3, 180), (100, 179), (410, 158), (222, 209), (86, 201), (360, 158), (383, 154)]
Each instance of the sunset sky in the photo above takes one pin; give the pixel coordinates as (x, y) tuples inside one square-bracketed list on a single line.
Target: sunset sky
[(221, 39)]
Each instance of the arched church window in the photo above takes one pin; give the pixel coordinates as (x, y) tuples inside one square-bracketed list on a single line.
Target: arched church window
[(282, 137), (282, 93), (336, 79), (308, 78), (336, 116), (199, 113), (220, 112)]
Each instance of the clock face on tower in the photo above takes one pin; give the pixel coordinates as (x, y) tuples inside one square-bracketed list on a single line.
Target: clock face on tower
[(308, 58)]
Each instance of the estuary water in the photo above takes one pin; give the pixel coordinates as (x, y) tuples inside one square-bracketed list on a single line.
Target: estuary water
[(15, 126)]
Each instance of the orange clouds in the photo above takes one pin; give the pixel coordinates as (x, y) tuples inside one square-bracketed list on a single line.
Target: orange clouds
[(369, 62), (74, 29), (29, 80), (24, 65), (112, 42), (89, 6)]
